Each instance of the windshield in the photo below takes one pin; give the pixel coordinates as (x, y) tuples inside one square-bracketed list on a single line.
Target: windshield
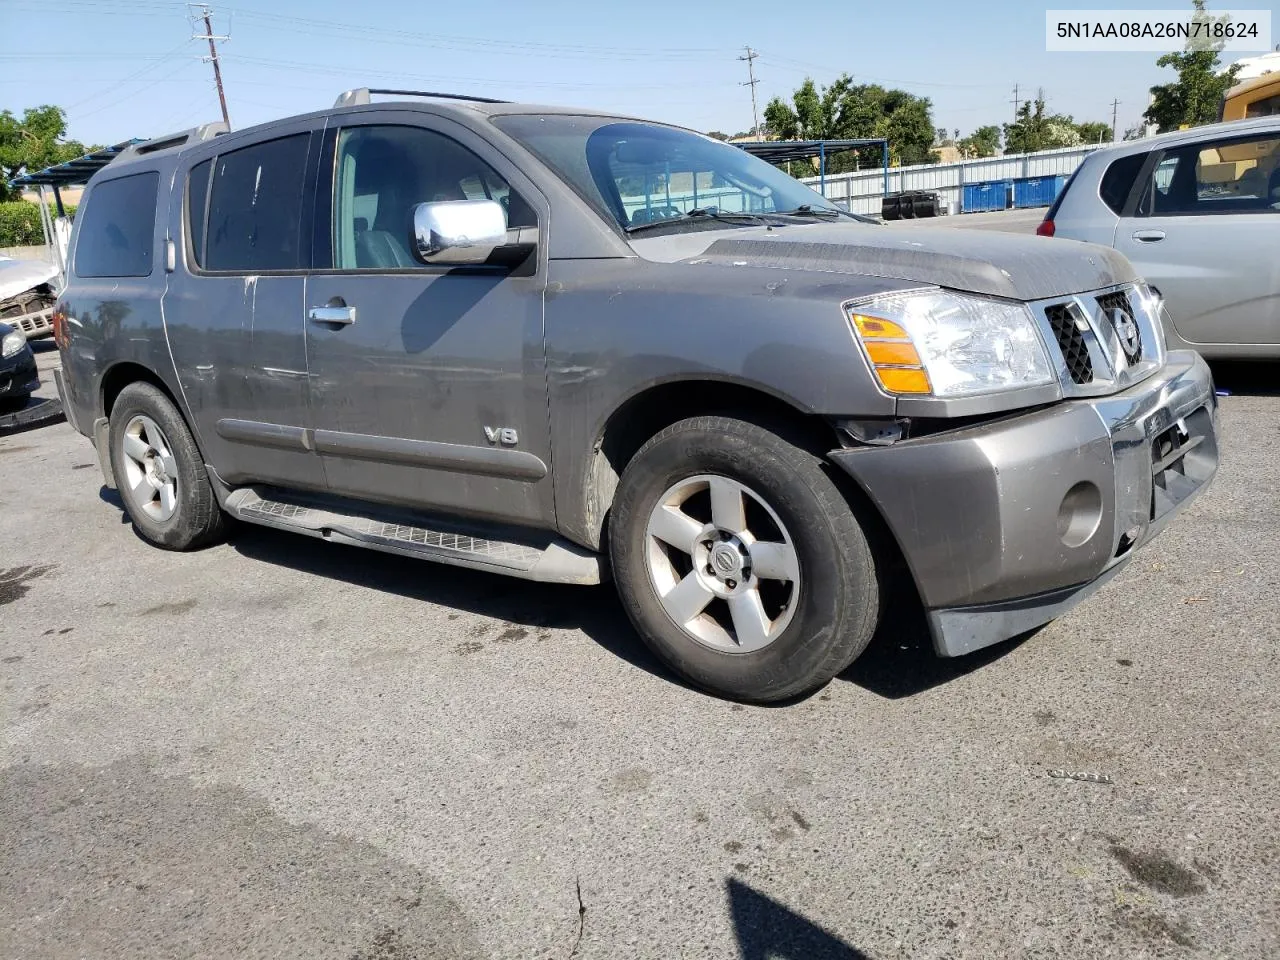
[(639, 174)]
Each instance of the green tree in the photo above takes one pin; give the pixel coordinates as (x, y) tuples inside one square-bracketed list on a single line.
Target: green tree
[(1094, 131), (34, 142), (1195, 97), (848, 111), (983, 142), (717, 135), (1036, 130), (1136, 132)]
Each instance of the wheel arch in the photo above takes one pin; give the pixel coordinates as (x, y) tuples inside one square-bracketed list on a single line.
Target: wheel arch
[(124, 372), (653, 408)]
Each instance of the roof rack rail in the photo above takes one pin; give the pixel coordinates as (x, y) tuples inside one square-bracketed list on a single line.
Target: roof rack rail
[(361, 95), (206, 131)]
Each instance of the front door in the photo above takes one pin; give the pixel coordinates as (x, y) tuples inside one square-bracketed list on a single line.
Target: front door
[(1206, 234), (428, 385)]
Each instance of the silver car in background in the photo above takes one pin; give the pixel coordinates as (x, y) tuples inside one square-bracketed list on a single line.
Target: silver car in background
[(1197, 212)]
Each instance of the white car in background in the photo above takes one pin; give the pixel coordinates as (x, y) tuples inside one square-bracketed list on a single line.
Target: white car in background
[(1198, 214), (28, 291)]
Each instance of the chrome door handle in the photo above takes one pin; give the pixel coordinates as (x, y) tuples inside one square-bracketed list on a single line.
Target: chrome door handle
[(1149, 236), (343, 315)]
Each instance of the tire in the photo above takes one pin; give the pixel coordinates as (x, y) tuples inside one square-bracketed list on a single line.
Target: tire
[(811, 627), (163, 457)]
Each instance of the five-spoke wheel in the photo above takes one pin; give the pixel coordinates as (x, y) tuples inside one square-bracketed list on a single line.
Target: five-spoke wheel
[(739, 561), (151, 473), (736, 555)]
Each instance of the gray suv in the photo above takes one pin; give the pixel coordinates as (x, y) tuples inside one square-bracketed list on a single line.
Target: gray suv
[(564, 346)]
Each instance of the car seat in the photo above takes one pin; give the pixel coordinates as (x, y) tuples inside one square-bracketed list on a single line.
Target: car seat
[(384, 170)]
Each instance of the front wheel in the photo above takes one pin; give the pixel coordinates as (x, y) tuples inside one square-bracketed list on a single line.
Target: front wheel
[(739, 561), (160, 473)]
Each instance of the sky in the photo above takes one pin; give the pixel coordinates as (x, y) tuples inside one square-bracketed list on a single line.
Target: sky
[(128, 68)]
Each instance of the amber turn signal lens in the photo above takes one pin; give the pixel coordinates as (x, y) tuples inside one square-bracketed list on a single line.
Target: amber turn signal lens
[(878, 328), (903, 380), (892, 354), (896, 354)]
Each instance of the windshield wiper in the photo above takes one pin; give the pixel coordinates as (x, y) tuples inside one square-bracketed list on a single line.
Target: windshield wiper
[(701, 213), (822, 213)]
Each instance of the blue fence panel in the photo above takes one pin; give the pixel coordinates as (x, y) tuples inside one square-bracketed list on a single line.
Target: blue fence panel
[(982, 197), (1036, 191)]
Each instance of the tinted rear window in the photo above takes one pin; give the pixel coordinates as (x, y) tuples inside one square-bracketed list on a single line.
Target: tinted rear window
[(255, 207), (1118, 180), (117, 228), (197, 201)]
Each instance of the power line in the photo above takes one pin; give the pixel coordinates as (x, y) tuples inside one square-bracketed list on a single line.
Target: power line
[(202, 12), (163, 58), (803, 66), (750, 57), (1115, 106), (368, 33), (1016, 103)]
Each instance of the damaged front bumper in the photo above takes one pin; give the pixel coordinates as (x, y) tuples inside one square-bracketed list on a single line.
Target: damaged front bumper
[(1009, 524)]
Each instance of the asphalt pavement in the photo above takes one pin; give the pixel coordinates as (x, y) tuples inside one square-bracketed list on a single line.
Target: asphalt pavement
[(1004, 221), (279, 747)]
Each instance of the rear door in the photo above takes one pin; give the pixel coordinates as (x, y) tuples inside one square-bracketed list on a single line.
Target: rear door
[(234, 313), (1204, 229), (431, 392)]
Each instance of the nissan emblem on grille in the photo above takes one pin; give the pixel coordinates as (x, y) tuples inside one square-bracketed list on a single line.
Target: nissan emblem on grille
[(1127, 331), (1115, 311)]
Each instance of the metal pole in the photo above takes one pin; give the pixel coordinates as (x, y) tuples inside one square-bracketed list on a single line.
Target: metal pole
[(206, 14), (751, 82), (884, 155), (57, 199), (822, 167), (217, 70)]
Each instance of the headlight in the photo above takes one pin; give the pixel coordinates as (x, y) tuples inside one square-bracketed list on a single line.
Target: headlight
[(949, 344), (12, 343)]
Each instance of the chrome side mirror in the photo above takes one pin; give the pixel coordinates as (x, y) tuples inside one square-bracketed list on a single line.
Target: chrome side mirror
[(458, 231)]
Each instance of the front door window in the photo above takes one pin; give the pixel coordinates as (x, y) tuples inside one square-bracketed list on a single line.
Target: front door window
[(383, 172)]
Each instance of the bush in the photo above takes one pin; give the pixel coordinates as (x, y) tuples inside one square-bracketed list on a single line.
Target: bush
[(20, 223)]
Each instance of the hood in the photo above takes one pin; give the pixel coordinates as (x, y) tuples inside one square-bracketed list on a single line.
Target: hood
[(18, 276), (976, 261)]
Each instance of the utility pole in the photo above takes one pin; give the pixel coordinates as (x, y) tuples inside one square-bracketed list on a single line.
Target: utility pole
[(1115, 106), (205, 13), (1016, 103), (749, 56)]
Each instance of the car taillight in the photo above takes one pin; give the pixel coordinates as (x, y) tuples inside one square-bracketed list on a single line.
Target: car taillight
[(1045, 229), (59, 321)]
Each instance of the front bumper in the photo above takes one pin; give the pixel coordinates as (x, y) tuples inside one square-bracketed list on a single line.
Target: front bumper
[(1007, 525), (39, 323), (18, 376)]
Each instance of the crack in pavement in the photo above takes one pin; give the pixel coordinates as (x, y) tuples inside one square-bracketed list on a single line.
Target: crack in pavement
[(582, 918)]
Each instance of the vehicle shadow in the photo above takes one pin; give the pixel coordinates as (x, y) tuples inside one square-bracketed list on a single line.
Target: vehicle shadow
[(595, 611), (900, 661), (1246, 378), (107, 495)]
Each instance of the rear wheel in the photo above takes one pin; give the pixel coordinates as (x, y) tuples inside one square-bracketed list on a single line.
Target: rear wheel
[(740, 563), (159, 471)]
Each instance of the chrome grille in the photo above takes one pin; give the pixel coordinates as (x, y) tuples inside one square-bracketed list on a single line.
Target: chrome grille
[(1075, 351), (1106, 339)]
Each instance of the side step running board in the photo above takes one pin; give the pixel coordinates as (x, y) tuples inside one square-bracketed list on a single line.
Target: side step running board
[(556, 561)]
